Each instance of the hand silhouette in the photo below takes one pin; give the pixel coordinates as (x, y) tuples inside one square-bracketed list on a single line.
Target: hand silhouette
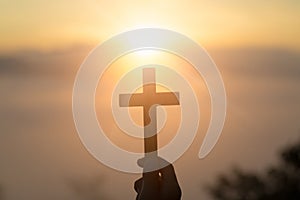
[(157, 185)]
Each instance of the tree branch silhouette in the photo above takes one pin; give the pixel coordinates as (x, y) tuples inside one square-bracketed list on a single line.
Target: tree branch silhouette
[(279, 182)]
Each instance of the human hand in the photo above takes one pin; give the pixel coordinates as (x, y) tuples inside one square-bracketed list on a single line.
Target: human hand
[(161, 184)]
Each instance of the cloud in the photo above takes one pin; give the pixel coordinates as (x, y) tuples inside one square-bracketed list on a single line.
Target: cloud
[(54, 63), (260, 63)]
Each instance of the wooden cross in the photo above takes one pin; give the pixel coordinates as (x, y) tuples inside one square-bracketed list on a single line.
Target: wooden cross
[(147, 99)]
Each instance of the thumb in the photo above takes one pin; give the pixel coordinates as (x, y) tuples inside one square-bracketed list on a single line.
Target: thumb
[(152, 163)]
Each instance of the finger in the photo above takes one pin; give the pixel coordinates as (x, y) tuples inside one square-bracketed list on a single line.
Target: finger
[(169, 184), (138, 185), (141, 162), (152, 162), (155, 163), (149, 177), (168, 172), (152, 165)]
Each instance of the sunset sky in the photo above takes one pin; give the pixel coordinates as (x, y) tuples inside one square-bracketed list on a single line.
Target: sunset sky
[(41, 24), (255, 44)]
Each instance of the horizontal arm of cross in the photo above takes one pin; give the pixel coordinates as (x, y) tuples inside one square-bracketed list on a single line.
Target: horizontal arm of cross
[(140, 99)]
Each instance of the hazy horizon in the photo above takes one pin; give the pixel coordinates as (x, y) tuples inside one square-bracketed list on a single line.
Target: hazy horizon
[(41, 150)]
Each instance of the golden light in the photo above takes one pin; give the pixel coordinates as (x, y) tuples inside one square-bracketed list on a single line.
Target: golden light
[(128, 63)]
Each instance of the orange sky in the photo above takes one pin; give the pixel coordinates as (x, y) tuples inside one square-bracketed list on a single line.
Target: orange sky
[(39, 146), (47, 25)]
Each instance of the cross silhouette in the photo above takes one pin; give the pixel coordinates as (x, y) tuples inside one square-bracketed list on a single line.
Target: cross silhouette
[(147, 99)]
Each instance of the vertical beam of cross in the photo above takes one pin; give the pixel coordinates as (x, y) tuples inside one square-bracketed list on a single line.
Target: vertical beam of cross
[(149, 100)]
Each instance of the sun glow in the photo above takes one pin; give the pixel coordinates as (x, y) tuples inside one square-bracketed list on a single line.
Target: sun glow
[(143, 54), (147, 56), (128, 63)]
